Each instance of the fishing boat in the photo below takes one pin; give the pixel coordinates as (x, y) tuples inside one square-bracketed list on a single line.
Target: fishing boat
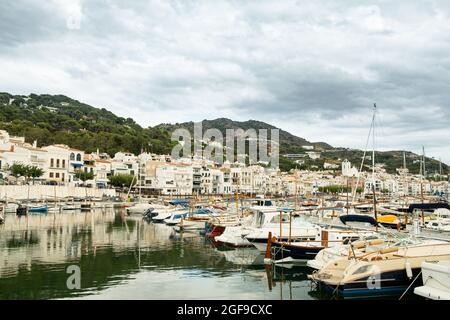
[(436, 280), (386, 272), (38, 209), (302, 251), (282, 226)]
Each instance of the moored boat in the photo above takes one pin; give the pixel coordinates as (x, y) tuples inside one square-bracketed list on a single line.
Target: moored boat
[(387, 272), (302, 251), (436, 280), (38, 209)]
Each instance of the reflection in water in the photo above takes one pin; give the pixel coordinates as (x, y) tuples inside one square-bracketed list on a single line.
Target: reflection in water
[(123, 257)]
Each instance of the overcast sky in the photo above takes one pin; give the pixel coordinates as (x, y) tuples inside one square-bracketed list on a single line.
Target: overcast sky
[(313, 68)]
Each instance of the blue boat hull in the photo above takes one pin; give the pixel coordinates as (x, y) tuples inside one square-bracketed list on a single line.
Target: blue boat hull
[(38, 210)]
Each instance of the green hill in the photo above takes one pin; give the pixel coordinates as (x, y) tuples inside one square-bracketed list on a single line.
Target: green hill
[(59, 119)]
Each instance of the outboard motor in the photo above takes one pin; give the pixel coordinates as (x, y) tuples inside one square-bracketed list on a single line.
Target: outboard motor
[(149, 214)]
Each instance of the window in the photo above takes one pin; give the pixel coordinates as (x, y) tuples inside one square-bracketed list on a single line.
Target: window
[(72, 156), (64, 163), (52, 162), (79, 157), (57, 175), (51, 174), (57, 163), (363, 269), (62, 176)]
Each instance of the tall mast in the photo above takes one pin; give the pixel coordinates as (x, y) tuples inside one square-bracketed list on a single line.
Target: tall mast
[(373, 141), (355, 189), (423, 162), (373, 167)]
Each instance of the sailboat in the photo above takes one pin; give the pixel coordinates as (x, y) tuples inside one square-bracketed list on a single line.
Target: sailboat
[(141, 207)]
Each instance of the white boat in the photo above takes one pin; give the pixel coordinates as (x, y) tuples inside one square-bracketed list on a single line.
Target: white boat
[(234, 232), (139, 208), (359, 247), (197, 220), (386, 272), (269, 222), (54, 208), (175, 218), (303, 251), (163, 214), (363, 247), (262, 205), (436, 280), (11, 208), (441, 221), (255, 232), (71, 206)]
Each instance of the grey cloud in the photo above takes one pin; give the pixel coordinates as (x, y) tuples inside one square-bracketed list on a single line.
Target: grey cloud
[(314, 67)]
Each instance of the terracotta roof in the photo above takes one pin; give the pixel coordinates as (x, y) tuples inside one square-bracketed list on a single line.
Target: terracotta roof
[(103, 161)]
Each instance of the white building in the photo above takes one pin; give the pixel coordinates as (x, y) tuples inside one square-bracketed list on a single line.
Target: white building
[(348, 170), (174, 179), (63, 162)]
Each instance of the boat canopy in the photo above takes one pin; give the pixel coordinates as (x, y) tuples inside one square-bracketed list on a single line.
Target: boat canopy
[(183, 202), (428, 206), (358, 218)]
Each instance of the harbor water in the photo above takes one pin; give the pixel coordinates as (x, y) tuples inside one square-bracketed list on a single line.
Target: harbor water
[(125, 257)]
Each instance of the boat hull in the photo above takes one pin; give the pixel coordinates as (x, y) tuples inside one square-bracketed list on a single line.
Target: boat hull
[(284, 252), (389, 284)]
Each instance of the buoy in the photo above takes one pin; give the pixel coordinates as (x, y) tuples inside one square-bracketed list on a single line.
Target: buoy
[(408, 270)]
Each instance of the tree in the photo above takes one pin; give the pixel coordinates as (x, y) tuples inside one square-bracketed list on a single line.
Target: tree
[(84, 176), (34, 172), (122, 180), (18, 170), (21, 170)]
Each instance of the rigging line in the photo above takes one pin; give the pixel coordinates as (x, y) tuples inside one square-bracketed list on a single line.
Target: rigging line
[(362, 161), (409, 287)]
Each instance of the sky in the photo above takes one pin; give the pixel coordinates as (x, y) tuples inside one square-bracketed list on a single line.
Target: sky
[(313, 68)]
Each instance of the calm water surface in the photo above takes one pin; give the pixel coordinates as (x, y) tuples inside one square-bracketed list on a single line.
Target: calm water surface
[(123, 257)]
